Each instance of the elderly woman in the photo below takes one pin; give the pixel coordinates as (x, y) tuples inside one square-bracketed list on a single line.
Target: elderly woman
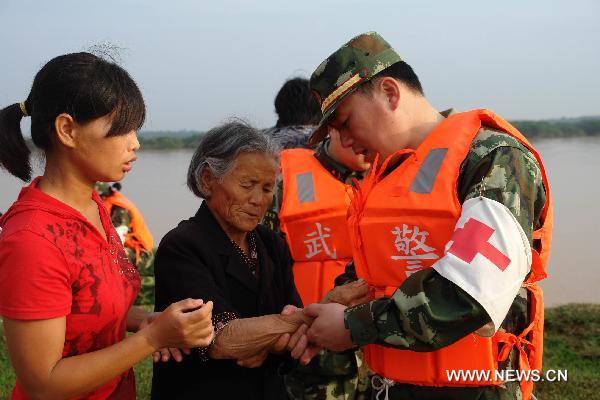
[(222, 254)]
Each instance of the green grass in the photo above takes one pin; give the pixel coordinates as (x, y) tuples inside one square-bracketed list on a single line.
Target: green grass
[(572, 343), (143, 378), (7, 376)]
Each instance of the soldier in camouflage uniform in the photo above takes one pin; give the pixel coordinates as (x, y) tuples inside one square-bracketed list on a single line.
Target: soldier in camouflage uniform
[(330, 376), (427, 312), (121, 220)]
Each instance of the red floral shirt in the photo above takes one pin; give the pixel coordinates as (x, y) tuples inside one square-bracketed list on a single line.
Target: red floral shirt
[(54, 263)]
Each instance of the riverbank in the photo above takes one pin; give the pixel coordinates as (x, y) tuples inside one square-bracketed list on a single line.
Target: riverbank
[(572, 343), (552, 128)]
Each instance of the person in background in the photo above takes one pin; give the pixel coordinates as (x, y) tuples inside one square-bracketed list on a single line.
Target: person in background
[(452, 222), (66, 285), (222, 254), (297, 114), (129, 224), (309, 207), (135, 235)]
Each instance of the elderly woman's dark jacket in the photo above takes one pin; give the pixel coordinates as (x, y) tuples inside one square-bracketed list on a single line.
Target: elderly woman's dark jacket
[(197, 260)]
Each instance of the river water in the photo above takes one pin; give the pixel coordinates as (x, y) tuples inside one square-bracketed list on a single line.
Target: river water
[(157, 186)]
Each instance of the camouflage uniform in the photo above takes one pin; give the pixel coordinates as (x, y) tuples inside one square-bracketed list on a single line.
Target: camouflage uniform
[(427, 305), (331, 376), (291, 137), (121, 220)]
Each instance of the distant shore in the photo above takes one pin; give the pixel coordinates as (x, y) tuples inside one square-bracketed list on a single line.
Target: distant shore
[(554, 128)]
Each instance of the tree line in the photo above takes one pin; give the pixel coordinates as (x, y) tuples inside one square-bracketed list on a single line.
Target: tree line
[(565, 127)]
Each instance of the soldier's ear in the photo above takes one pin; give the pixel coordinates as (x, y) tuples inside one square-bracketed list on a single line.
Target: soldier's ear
[(390, 88)]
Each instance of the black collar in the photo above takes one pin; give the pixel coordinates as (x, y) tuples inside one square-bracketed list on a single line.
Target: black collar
[(220, 242)]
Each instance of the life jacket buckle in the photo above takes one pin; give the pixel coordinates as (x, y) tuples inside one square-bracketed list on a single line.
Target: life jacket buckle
[(382, 384)]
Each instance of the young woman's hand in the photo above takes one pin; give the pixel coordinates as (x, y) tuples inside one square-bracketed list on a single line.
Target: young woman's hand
[(185, 324)]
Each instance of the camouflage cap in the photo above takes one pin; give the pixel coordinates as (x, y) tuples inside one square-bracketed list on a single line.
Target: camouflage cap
[(344, 71)]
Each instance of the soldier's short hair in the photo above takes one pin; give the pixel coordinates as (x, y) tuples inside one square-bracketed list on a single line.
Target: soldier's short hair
[(219, 148), (400, 71)]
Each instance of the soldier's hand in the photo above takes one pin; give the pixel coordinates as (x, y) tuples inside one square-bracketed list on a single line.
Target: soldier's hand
[(328, 330), (350, 294), (300, 348)]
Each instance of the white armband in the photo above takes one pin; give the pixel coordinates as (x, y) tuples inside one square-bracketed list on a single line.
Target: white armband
[(488, 257)]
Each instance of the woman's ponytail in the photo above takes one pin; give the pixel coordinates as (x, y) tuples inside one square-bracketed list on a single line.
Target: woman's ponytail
[(14, 153)]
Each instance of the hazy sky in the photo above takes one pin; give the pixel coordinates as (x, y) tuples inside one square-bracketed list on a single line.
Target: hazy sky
[(198, 62)]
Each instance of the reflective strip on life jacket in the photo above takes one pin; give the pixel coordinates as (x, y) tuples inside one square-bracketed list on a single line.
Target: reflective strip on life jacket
[(313, 217)]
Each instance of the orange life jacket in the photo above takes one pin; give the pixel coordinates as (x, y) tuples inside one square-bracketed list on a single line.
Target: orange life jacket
[(417, 205), (139, 236), (313, 217)]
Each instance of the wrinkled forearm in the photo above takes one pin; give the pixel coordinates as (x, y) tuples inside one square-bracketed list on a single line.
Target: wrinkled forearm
[(246, 337)]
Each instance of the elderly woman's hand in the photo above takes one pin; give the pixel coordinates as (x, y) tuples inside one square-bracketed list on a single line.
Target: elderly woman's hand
[(282, 344), (298, 340), (256, 360), (278, 348), (248, 337), (351, 294)]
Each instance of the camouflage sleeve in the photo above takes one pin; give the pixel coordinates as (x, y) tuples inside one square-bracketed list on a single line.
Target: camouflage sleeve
[(271, 218), (424, 314), (427, 311), (509, 174)]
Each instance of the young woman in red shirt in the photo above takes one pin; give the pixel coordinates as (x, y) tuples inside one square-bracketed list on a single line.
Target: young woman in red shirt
[(66, 286)]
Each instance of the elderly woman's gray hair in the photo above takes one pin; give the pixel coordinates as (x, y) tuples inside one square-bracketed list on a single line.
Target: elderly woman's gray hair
[(219, 147)]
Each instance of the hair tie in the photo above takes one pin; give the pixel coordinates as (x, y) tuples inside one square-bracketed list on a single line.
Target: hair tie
[(23, 109)]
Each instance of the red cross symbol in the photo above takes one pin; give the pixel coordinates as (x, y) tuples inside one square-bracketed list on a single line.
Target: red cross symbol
[(472, 239)]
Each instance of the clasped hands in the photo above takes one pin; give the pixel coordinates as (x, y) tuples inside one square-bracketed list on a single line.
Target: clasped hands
[(303, 332), (327, 330)]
